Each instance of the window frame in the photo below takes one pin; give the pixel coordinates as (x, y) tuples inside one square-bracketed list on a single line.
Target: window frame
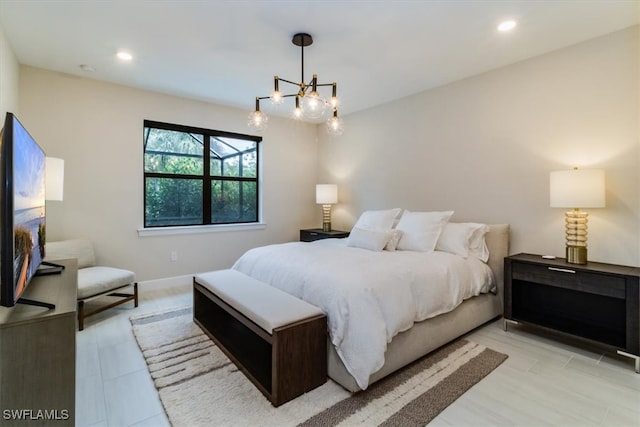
[(206, 178)]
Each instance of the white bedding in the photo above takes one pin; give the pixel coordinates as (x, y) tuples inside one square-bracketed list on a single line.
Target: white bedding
[(368, 296)]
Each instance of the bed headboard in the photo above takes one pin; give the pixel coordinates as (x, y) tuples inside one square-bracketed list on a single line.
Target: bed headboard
[(498, 243)]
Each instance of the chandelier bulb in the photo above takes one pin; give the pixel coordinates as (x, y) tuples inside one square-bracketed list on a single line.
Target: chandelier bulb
[(313, 106), (297, 112), (335, 125), (276, 95), (333, 101), (257, 120)]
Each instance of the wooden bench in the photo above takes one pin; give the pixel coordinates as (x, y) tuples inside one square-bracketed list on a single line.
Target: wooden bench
[(277, 340)]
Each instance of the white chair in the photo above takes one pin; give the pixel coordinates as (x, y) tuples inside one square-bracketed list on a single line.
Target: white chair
[(93, 281)]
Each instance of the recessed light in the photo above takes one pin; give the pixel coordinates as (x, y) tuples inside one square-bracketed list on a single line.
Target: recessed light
[(125, 56), (507, 26)]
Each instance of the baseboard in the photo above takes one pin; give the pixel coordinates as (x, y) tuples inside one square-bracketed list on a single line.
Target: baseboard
[(185, 280)]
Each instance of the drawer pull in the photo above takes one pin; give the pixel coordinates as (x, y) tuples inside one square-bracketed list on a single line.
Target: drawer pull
[(562, 270)]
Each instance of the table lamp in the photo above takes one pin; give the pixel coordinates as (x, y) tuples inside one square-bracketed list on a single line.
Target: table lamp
[(577, 188), (326, 195), (54, 178)]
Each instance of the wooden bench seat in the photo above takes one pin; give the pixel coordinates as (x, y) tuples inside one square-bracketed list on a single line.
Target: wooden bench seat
[(277, 340)]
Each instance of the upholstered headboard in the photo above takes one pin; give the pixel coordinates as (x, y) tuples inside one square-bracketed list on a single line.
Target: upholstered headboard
[(498, 243)]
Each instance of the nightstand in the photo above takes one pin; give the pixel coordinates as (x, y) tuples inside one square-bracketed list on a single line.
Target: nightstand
[(596, 301), (311, 234)]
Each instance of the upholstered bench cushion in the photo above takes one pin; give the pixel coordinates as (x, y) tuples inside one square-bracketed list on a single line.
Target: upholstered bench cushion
[(266, 306), (94, 281)]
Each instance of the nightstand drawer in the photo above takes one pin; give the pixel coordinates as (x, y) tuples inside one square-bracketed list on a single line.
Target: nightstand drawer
[(310, 236), (571, 278)]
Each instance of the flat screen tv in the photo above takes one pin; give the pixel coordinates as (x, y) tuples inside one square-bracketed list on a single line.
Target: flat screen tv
[(22, 210)]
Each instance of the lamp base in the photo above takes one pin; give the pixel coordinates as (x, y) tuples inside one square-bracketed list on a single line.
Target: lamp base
[(326, 218), (576, 254)]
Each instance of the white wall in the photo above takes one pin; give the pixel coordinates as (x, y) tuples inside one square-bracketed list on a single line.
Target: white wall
[(97, 128), (8, 78), (484, 147)]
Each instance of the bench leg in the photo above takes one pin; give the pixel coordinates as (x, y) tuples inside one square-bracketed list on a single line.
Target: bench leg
[(135, 294)]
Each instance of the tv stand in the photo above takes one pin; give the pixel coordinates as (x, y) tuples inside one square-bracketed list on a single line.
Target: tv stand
[(27, 301), (38, 353), (49, 268)]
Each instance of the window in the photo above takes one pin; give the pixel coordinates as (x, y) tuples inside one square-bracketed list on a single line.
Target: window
[(196, 176)]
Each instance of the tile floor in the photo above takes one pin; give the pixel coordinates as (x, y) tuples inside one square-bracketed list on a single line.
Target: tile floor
[(547, 380)]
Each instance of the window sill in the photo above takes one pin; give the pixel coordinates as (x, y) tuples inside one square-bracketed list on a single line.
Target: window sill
[(199, 229)]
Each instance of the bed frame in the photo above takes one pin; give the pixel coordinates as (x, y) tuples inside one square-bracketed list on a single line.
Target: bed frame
[(428, 335)]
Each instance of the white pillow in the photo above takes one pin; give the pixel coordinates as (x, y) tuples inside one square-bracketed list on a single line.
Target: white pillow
[(420, 230), (378, 220), (478, 245), (392, 244), (458, 237), (373, 240)]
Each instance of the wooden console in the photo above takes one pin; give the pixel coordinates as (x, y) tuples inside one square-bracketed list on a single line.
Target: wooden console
[(38, 354)]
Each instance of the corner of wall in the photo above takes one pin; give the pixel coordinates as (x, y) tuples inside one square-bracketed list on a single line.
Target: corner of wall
[(9, 71)]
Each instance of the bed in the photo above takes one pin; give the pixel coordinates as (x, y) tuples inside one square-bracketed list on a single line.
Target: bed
[(383, 311)]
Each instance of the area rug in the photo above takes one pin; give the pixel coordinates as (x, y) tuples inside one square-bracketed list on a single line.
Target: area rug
[(199, 386)]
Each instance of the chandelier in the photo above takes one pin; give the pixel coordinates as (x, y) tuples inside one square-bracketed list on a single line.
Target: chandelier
[(308, 102)]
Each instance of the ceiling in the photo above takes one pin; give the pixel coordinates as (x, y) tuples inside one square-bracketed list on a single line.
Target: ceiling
[(227, 52)]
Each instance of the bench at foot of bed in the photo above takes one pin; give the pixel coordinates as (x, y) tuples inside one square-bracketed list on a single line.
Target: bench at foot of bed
[(277, 340)]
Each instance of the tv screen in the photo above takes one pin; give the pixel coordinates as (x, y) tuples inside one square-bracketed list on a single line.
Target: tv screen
[(22, 210)]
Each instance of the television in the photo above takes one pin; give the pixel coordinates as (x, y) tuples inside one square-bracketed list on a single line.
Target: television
[(22, 211)]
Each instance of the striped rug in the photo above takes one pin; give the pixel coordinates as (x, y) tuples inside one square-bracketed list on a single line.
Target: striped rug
[(199, 386)]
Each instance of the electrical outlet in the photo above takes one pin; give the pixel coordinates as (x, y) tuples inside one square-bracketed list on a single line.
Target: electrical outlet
[(174, 256)]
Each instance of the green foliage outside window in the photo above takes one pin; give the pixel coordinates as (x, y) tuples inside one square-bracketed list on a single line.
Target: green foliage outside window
[(196, 176)]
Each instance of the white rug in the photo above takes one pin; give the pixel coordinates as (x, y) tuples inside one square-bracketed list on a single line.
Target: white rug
[(199, 386)]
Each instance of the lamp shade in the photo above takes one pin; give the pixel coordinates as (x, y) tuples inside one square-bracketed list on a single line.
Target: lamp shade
[(54, 178), (326, 194), (577, 188)]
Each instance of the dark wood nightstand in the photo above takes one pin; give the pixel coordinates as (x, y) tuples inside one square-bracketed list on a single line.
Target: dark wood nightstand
[(311, 234), (596, 301)]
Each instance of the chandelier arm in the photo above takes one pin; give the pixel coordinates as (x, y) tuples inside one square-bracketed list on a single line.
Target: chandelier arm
[(269, 97), (290, 82), (310, 84), (324, 84)]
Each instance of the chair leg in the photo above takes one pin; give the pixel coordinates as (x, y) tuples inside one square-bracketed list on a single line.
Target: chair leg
[(80, 315), (124, 298)]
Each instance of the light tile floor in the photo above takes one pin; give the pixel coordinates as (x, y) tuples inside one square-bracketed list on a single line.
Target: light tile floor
[(546, 381)]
